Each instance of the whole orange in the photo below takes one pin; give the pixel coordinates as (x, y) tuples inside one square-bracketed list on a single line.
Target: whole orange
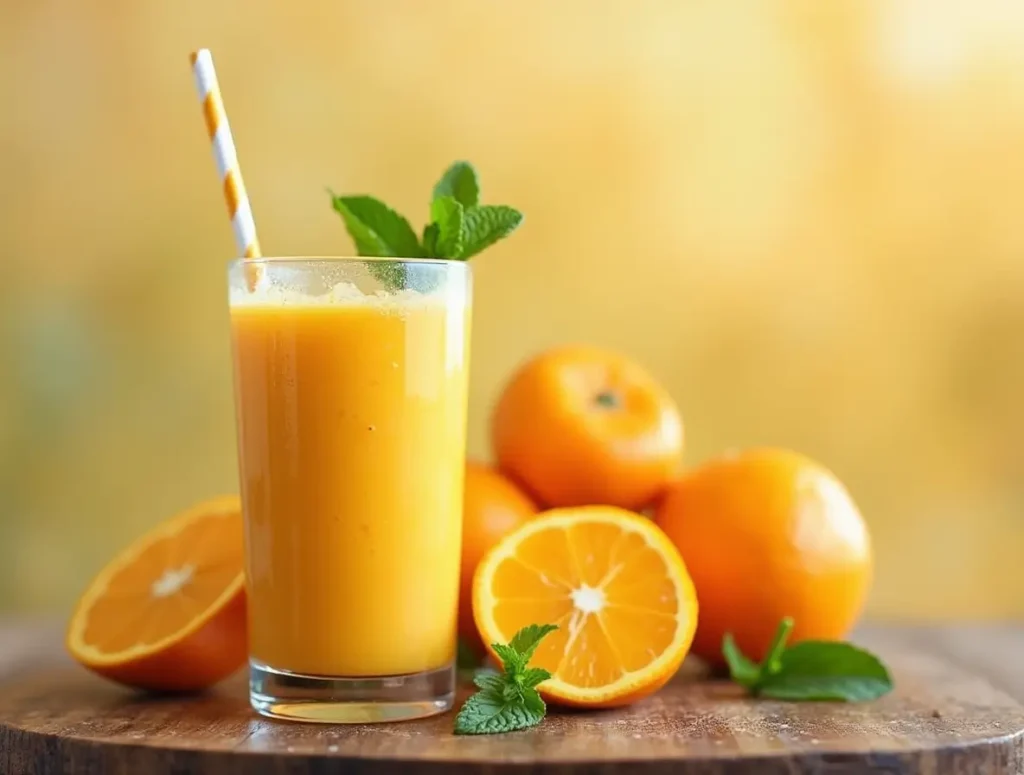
[(492, 508), (768, 533), (581, 426)]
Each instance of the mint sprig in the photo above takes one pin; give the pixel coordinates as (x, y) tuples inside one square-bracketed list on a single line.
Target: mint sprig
[(809, 670), (460, 227), (509, 700)]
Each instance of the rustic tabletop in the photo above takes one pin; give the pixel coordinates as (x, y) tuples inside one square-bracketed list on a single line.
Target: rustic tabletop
[(957, 709), (994, 651)]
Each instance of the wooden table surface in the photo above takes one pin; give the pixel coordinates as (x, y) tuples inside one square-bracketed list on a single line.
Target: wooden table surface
[(994, 651), (954, 705)]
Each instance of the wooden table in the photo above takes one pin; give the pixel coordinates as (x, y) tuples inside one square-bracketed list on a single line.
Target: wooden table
[(958, 710)]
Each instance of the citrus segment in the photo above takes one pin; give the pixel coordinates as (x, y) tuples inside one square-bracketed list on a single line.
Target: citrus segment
[(614, 585), (168, 613)]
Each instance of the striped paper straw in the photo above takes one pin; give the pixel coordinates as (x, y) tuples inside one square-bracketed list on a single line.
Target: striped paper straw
[(225, 156)]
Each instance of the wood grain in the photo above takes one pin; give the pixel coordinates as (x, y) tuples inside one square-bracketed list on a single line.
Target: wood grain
[(943, 720)]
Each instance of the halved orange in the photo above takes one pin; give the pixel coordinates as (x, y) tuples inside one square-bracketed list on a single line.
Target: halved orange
[(615, 586), (168, 613)]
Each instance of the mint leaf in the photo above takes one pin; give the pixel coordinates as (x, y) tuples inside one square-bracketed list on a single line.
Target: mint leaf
[(447, 214), (376, 229), (511, 692), (491, 682), (827, 670), (534, 703), (507, 701), (508, 655), (461, 183), (532, 676), (485, 225), (527, 639), (811, 670), (778, 645), (430, 233), (742, 669), (486, 714), (837, 688)]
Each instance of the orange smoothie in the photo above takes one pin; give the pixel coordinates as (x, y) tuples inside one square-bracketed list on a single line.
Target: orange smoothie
[(351, 416)]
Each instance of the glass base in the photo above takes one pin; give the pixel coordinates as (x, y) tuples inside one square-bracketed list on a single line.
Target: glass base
[(296, 697)]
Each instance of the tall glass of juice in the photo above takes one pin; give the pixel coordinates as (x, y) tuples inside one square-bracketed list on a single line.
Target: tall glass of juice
[(350, 392)]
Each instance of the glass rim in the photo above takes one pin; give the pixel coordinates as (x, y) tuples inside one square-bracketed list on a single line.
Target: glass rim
[(262, 260)]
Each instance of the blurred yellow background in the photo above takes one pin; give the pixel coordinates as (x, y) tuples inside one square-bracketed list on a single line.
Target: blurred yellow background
[(807, 218)]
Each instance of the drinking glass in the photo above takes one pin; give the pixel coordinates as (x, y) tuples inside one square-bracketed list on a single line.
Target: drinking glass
[(350, 393)]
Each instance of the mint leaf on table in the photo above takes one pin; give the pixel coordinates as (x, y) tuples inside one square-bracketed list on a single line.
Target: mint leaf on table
[(810, 670), (532, 676), (461, 183), (508, 655), (525, 641), (486, 714), (491, 682), (487, 224), (446, 213), (827, 670), (509, 700), (743, 670)]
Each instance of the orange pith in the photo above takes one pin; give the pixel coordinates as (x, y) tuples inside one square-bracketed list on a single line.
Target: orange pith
[(168, 613), (614, 585)]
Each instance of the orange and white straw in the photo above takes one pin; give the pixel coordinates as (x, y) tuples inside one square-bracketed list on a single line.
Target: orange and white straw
[(224, 154)]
